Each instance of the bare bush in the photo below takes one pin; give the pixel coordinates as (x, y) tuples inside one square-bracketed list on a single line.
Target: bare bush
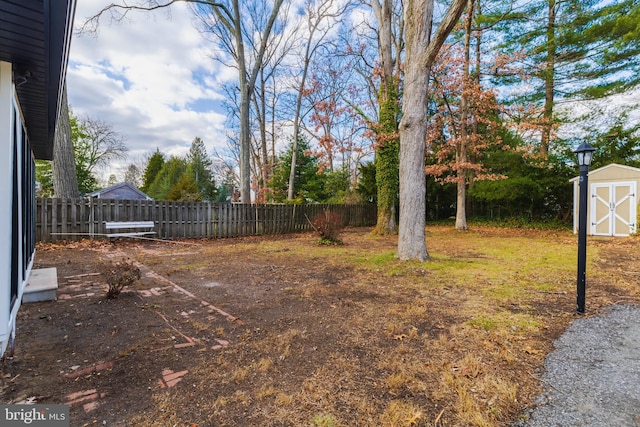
[(118, 275), (328, 225)]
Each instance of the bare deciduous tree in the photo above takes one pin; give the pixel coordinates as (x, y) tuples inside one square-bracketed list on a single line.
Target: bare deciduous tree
[(320, 19), (133, 175), (97, 143), (226, 21), (247, 48), (421, 50), (383, 76), (266, 100)]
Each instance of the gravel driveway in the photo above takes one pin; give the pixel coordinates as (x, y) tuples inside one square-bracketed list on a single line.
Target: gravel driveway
[(592, 378)]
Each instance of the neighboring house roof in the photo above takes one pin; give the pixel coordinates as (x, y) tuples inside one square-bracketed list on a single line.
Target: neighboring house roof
[(35, 36), (121, 191), (625, 171)]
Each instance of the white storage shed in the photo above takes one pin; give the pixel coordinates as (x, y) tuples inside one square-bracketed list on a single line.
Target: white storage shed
[(612, 204)]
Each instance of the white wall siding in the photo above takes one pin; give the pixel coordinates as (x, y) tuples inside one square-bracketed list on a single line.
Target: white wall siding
[(6, 195), (16, 210)]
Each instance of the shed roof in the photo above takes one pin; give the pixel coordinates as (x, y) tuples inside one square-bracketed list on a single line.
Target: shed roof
[(35, 36), (120, 186), (624, 170)]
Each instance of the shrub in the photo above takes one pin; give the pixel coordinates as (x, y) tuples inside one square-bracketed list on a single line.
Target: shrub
[(118, 275), (328, 225)]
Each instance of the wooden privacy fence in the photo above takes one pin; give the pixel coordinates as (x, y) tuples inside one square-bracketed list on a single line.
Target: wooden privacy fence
[(74, 219)]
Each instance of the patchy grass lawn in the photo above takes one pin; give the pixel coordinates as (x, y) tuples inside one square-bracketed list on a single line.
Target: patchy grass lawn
[(281, 331)]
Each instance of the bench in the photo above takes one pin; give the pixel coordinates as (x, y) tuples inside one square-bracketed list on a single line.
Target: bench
[(113, 227)]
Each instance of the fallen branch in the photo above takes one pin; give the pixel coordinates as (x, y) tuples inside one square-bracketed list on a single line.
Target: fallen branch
[(311, 224)]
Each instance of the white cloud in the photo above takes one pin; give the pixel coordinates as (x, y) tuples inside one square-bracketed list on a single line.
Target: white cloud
[(151, 77)]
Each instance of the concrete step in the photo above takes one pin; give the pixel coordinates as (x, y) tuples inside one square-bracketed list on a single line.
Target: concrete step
[(41, 286)]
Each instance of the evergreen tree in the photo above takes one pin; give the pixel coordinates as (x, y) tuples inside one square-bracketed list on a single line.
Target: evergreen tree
[(154, 166), (336, 186), (612, 62), (367, 184), (570, 49), (224, 193), (199, 169), (227, 188), (531, 187), (170, 175), (308, 184), (185, 190), (617, 143)]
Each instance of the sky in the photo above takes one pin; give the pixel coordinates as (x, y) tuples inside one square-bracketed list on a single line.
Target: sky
[(151, 77)]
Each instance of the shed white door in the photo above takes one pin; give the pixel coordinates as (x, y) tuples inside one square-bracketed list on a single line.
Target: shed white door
[(613, 209)]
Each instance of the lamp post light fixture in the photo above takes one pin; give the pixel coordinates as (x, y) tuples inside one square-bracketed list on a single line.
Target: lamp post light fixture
[(585, 155)]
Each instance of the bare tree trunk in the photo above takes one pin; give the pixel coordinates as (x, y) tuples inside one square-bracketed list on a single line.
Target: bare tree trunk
[(549, 81), (461, 151), (249, 84), (296, 119), (247, 80), (387, 130), (471, 174), (272, 157), (262, 159), (413, 131), (421, 52), (245, 99), (65, 180), (264, 152), (315, 19)]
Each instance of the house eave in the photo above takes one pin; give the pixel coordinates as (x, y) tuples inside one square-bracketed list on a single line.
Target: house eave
[(35, 36)]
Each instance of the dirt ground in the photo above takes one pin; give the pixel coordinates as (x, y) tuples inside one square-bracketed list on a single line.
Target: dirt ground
[(280, 331)]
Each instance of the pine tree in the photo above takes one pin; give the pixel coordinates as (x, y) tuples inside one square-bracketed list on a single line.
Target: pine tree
[(154, 166), (612, 62), (170, 174), (566, 50), (199, 169), (618, 142), (185, 190), (308, 184)]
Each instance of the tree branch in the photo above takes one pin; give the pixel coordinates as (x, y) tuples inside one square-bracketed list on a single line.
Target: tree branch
[(444, 29), (119, 11)]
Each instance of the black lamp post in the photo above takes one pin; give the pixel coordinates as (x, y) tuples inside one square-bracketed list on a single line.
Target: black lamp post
[(585, 154)]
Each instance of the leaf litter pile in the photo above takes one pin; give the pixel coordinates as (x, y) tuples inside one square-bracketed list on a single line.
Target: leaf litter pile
[(282, 331)]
